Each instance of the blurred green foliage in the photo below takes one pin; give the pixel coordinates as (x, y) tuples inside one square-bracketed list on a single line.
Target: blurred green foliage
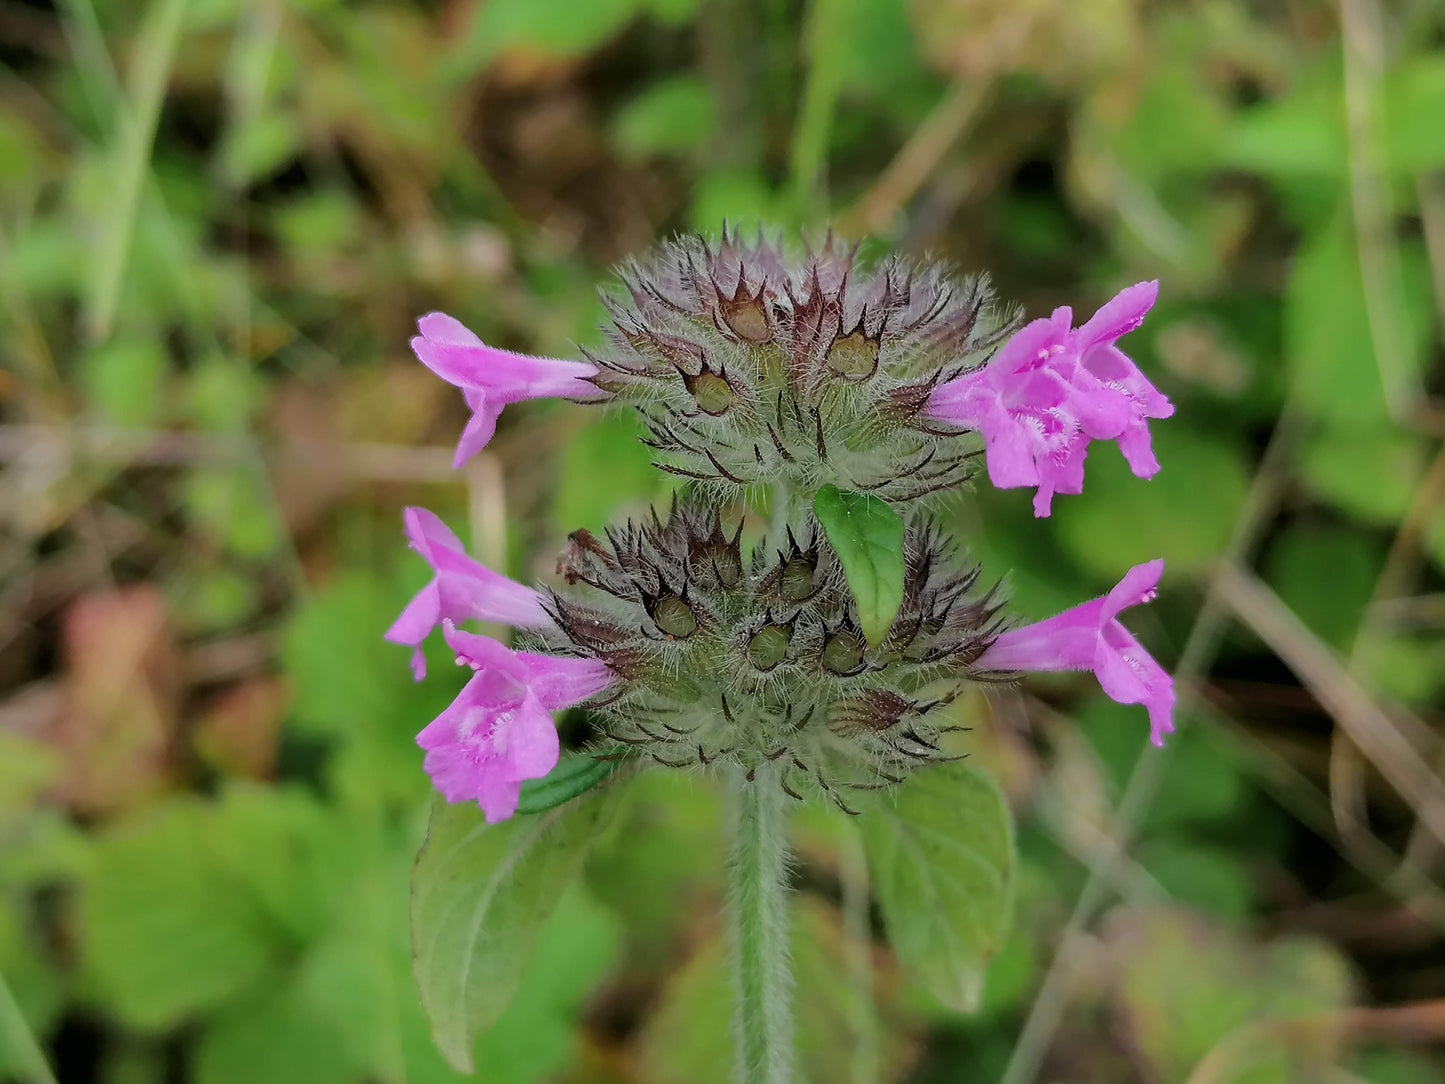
[(218, 222)]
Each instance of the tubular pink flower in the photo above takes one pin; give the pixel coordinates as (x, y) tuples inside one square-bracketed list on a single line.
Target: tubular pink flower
[(462, 589), (498, 732), (1051, 390), (1090, 637), (491, 379)]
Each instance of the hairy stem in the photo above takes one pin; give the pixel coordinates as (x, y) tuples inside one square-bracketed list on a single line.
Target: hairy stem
[(757, 900)]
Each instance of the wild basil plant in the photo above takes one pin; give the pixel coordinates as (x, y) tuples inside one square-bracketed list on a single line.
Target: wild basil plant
[(793, 624)]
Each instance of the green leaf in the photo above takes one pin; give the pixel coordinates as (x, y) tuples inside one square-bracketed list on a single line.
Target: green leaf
[(1328, 344), (867, 536), (1369, 473), (278, 1038), (1414, 103), (1183, 515), (588, 497), (557, 28), (1305, 556), (479, 895), (573, 775), (943, 868), (231, 506), (1185, 985), (537, 1036), (352, 689), (674, 115), (124, 378), (167, 929)]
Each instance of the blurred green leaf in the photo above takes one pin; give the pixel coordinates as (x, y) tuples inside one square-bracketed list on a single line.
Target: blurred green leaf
[(278, 1038), (867, 536), (1409, 668), (233, 507), (551, 27), (321, 221), (1204, 782), (1300, 134), (254, 150), (208, 600), (27, 768), (124, 378), (1185, 986), (649, 870), (354, 689), (223, 393), (942, 859), (1328, 343), (674, 115), (1212, 879), (1306, 556), (738, 196), (1369, 473), (1414, 101), (172, 923), (1184, 514), (536, 1035), (35, 982), (1011, 975), (1385, 1066), (587, 496), (480, 894)]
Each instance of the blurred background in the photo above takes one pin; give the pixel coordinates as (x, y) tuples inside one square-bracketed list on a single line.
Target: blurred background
[(219, 220)]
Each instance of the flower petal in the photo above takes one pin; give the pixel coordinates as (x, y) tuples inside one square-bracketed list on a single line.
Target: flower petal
[(498, 799), (479, 431), (1066, 641), (1123, 313), (1138, 451), (427, 533), (418, 619), (1138, 586), (438, 327), (1030, 346), (483, 653), (1008, 451), (532, 743), (561, 682)]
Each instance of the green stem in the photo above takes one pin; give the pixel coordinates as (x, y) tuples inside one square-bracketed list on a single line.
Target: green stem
[(758, 910), (18, 1043), (820, 97)]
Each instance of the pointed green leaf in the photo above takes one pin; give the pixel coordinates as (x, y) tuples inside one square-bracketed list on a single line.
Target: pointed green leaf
[(573, 775), (479, 893), (943, 868), (867, 536)]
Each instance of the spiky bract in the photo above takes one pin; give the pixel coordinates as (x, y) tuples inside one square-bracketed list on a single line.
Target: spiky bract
[(758, 658), (754, 369)]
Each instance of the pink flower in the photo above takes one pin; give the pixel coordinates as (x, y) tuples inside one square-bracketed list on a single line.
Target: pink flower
[(499, 731), (1051, 390), (491, 378), (461, 590), (1090, 637)]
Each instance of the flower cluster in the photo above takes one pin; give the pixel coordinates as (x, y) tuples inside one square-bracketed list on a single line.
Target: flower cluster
[(696, 649)]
